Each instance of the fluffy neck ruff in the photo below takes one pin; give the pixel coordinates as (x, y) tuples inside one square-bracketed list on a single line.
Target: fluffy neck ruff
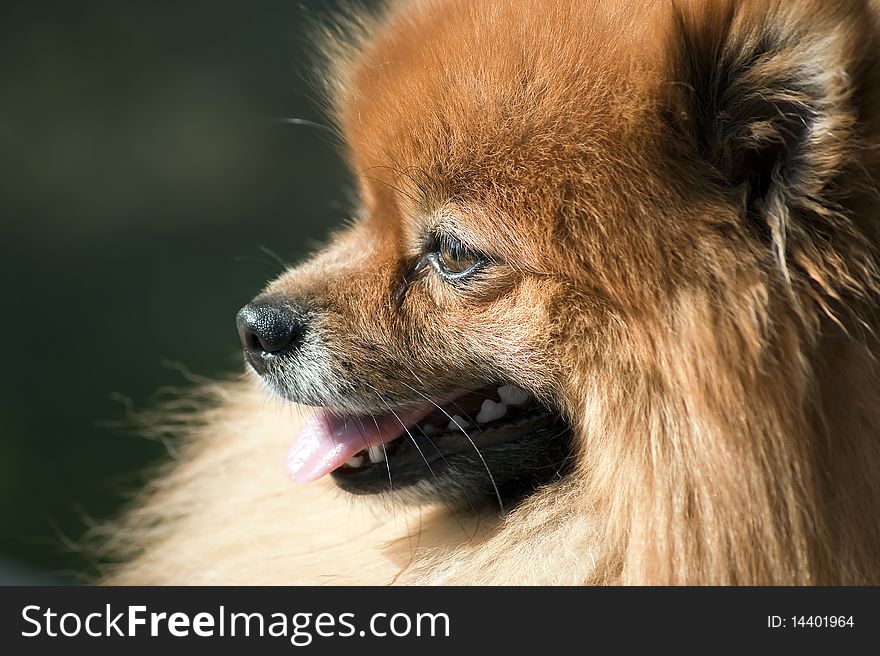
[(735, 450)]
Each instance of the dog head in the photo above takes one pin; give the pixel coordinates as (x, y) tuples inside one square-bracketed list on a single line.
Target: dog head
[(544, 187)]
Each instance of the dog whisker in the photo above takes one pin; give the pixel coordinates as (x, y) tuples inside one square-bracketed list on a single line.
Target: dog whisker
[(407, 431), (363, 431), (305, 122), (385, 451), (465, 433), (403, 193), (268, 251)]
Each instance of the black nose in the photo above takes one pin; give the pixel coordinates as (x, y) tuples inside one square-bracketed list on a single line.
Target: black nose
[(268, 327)]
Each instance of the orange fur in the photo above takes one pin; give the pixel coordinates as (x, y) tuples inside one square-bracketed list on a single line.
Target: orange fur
[(707, 328)]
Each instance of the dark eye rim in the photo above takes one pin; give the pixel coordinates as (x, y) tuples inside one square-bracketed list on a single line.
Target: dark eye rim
[(435, 259)]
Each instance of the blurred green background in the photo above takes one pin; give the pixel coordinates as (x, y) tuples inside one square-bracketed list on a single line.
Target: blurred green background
[(143, 172)]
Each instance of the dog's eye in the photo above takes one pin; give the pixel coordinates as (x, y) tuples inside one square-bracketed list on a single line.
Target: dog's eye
[(452, 259)]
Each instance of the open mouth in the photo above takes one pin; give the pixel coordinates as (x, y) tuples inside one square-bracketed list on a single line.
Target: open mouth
[(372, 452)]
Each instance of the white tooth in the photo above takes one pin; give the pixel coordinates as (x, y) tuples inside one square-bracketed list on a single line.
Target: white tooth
[(430, 429), (356, 461), (490, 411), (377, 453), (512, 395), (458, 423)]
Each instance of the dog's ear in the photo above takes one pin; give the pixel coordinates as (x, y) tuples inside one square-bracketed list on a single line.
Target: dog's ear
[(774, 96)]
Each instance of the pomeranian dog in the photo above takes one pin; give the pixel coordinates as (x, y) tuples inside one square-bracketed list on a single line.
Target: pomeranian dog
[(606, 313)]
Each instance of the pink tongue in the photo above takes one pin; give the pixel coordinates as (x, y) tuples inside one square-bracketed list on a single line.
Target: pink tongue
[(327, 441)]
